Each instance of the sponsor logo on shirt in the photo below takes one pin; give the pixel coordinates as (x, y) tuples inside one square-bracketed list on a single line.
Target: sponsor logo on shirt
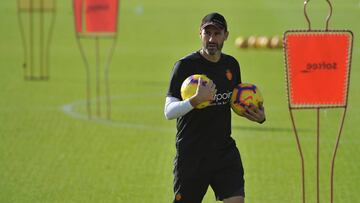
[(221, 98)]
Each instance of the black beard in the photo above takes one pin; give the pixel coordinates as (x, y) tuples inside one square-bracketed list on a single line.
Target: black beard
[(209, 50)]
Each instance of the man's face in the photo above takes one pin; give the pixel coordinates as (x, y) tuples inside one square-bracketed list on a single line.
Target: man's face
[(212, 39)]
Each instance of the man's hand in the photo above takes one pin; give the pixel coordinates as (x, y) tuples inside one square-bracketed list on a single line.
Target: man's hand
[(255, 113), (205, 92)]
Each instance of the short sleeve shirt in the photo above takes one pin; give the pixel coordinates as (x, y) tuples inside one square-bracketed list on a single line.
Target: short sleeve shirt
[(204, 130)]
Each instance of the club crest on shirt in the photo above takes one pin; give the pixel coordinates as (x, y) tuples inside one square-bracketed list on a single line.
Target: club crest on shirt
[(228, 74), (178, 197)]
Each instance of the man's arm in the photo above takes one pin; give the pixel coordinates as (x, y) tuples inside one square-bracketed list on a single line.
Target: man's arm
[(174, 108)]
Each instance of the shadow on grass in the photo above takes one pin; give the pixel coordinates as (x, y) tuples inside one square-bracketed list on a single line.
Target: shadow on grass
[(268, 129)]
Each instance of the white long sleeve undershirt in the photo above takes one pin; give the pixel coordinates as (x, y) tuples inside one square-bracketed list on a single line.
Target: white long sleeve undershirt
[(174, 108)]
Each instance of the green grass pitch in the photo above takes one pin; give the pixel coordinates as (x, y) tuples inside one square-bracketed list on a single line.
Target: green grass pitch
[(50, 152)]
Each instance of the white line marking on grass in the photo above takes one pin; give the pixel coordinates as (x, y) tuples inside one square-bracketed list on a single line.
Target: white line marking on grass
[(276, 133), (69, 109)]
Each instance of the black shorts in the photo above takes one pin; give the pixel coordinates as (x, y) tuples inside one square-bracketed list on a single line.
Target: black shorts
[(223, 171)]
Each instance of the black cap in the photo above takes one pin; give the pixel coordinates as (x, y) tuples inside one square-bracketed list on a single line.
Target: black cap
[(214, 19)]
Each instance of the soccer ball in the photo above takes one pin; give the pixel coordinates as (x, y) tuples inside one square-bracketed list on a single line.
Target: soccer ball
[(243, 95), (262, 42), (251, 41), (189, 87), (275, 42), (241, 42)]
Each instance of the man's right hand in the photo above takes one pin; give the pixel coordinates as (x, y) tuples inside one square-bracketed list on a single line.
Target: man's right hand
[(205, 92)]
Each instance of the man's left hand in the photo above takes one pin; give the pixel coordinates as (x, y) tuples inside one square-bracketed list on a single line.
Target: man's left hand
[(254, 113)]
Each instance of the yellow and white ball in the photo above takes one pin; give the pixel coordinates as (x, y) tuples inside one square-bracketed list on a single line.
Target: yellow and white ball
[(275, 42), (241, 42), (262, 42)]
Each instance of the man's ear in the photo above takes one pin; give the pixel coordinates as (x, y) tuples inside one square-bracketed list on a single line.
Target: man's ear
[(226, 35)]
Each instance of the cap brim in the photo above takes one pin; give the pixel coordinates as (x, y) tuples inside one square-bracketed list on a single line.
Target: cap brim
[(217, 25)]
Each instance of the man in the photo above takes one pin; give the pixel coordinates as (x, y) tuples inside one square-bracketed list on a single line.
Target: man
[(206, 153)]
